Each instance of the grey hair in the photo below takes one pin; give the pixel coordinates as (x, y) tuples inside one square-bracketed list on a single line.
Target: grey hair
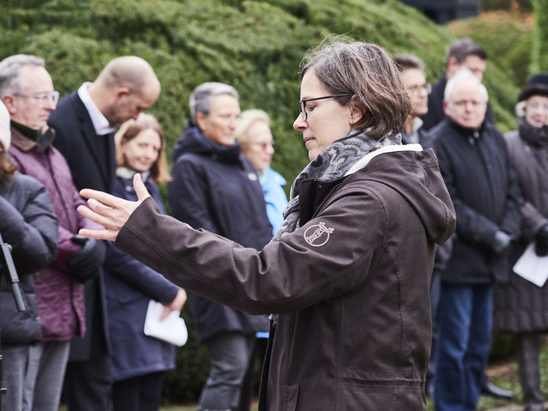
[(463, 75), (520, 108), (10, 71), (201, 97), (406, 61)]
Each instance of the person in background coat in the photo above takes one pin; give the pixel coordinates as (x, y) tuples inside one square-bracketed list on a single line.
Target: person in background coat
[(216, 188), (411, 70), (85, 122), (463, 53), (255, 138), (346, 277), (138, 361), (27, 91), (476, 168), (29, 225), (521, 307)]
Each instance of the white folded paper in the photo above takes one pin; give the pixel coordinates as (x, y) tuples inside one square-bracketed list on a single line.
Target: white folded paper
[(532, 267), (172, 329)]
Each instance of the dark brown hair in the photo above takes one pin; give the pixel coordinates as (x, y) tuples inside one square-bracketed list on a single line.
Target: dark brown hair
[(366, 72)]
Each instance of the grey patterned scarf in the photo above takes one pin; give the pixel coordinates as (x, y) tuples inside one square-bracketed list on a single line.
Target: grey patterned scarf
[(332, 164)]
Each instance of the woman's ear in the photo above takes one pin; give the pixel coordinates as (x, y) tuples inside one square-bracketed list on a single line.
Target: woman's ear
[(200, 120), (355, 113)]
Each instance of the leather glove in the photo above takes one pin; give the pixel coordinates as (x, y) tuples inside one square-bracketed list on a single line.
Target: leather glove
[(502, 242), (85, 264), (541, 241)]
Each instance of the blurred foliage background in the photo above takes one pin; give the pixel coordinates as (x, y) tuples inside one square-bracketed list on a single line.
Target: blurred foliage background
[(256, 46)]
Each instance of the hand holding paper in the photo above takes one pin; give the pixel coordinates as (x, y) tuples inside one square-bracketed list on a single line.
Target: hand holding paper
[(172, 329)]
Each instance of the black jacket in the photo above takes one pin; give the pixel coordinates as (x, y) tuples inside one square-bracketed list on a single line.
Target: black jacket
[(477, 171), (92, 163), (29, 224), (216, 188)]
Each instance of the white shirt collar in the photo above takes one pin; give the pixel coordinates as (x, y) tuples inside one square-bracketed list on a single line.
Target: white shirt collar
[(100, 122)]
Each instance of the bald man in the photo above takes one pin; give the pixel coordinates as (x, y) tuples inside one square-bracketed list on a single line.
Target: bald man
[(85, 122)]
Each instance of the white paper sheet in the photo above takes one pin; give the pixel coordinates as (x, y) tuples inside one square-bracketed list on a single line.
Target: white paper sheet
[(532, 267), (172, 329)]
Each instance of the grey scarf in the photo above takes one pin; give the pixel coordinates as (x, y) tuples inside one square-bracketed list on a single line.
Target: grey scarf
[(332, 164)]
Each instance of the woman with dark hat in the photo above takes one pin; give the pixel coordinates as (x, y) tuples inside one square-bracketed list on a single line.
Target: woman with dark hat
[(521, 307)]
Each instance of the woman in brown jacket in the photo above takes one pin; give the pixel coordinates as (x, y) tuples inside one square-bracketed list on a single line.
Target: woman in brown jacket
[(520, 307), (346, 278)]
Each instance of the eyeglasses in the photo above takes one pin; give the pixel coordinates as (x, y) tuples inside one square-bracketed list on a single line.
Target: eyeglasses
[(464, 103), (302, 108), (537, 106), (44, 98), (419, 87)]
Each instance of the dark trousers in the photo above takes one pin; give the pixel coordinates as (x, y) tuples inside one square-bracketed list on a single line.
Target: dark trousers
[(229, 359), (529, 370), (143, 393), (88, 386)]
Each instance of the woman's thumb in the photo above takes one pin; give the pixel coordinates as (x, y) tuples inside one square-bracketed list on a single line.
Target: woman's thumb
[(140, 189)]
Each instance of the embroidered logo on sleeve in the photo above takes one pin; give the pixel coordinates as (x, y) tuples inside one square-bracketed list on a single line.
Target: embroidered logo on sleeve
[(318, 234)]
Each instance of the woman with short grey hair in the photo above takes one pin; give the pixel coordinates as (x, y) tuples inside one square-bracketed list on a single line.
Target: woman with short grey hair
[(216, 188)]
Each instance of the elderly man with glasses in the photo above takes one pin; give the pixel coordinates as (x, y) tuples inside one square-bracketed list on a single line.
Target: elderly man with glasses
[(475, 165), (26, 88)]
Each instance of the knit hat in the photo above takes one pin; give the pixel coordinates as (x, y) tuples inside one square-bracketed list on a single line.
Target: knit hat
[(5, 133), (536, 86)]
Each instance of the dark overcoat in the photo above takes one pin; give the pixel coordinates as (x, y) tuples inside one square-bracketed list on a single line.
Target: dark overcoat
[(519, 305), (91, 159), (216, 188), (130, 285), (477, 171)]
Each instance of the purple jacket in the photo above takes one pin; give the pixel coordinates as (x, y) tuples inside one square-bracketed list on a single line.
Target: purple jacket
[(60, 296)]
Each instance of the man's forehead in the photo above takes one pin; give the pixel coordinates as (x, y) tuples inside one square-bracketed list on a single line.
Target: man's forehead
[(474, 62), (464, 89)]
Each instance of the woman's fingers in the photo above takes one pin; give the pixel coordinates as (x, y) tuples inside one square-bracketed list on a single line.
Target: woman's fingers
[(98, 234), (101, 196), (109, 211)]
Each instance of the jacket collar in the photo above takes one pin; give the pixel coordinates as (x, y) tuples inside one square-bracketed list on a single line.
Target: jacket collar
[(26, 139), (386, 149)]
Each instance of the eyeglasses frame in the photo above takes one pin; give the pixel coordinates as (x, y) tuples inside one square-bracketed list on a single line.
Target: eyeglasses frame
[(302, 108), (43, 97)]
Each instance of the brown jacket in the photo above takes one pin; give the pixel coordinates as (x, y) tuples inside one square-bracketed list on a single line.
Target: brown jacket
[(350, 287)]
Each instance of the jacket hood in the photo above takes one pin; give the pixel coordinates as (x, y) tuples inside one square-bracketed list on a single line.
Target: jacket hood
[(193, 141), (414, 173)]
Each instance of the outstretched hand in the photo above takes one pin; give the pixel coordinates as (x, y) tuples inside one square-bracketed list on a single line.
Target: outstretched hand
[(110, 211)]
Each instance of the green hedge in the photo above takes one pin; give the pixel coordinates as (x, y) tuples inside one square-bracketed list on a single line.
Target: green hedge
[(254, 45)]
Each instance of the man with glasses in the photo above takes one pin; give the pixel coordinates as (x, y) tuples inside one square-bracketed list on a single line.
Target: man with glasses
[(85, 122), (412, 74), (475, 165), (26, 88)]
